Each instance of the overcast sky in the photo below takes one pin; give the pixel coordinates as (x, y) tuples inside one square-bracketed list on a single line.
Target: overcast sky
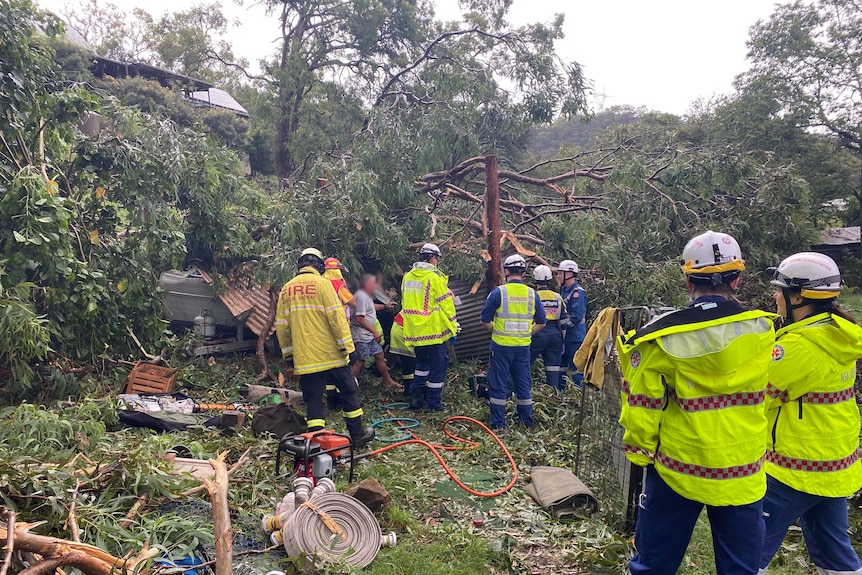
[(662, 54)]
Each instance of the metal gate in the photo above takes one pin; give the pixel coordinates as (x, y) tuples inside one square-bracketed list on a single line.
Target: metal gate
[(600, 461)]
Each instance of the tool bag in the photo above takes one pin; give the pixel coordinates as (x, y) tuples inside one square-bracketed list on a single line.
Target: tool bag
[(280, 420)]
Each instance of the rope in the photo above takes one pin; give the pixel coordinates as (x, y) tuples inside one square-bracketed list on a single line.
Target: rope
[(326, 518), (309, 530), (436, 449)]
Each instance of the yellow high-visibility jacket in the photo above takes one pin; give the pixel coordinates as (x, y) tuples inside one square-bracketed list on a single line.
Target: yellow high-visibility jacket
[(428, 306), (813, 416), (694, 400), (397, 345), (310, 324)]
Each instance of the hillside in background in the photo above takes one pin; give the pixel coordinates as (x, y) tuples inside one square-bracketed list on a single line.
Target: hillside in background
[(547, 140)]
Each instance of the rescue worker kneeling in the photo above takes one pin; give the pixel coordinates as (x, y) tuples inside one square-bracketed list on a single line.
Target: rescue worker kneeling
[(312, 329), (812, 464), (512, 313), (693, 414)]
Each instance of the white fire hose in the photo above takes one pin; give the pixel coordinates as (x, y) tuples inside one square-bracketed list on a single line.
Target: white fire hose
[(333, 526), (326, 525)]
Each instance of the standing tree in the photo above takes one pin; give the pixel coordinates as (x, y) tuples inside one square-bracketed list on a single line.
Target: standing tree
[(394, 53), (808, 58)]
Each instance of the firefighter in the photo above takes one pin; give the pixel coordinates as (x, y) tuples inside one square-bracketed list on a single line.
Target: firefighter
[(512, 313), (812, 462), (334, 273), (404, 351), (549, 342), (428, 307), (573, 321), (693, 414), (315, 335)]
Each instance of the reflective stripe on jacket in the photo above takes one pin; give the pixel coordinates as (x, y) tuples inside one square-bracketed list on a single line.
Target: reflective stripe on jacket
[(693, 400), (513, 320), (397, 345), (813, 416), (310, 324), (428, 306)]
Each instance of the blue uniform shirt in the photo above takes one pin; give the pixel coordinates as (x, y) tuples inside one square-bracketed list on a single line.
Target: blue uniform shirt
[(493, 302), (575, 320)]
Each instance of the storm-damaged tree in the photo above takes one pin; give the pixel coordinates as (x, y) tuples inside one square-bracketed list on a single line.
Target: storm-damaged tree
[(395, 53)]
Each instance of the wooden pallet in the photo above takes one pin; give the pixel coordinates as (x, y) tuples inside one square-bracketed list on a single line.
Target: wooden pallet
[(149, 378)]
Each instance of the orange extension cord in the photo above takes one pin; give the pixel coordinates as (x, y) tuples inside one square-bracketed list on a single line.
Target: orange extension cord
[(469, 444)]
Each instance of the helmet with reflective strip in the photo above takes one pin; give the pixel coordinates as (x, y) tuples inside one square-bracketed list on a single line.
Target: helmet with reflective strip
[(712, 257), (568, 266), (311, 257), (816, 275), (333, 264), (542, 274), (515, 262)]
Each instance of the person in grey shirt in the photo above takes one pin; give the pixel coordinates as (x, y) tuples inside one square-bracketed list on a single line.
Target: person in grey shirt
[(365, 332)]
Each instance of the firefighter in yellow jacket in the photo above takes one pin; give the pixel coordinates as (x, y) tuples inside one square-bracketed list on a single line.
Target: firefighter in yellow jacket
[(428, 307), (313, 331), (693, 414), (812, 461)]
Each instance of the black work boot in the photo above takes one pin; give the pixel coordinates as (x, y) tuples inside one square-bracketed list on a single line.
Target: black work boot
[(417, 397), (360, 437)]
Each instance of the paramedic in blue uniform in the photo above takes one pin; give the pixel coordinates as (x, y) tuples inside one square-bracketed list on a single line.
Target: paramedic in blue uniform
[(513, 313), (548, 343), (574, 321)]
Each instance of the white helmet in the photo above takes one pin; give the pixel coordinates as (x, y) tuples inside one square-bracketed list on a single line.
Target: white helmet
[(515, 262), (430, 250), (568, 266), (816, 275), (712, 257), (542, 274)]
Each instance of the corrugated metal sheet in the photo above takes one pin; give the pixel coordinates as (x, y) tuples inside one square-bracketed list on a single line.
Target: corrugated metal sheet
[(247, 302), (218, 98), (474, 340)]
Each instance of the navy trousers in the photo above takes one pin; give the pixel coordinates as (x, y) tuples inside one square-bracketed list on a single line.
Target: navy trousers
[(548, 344), (824, 526), (510, 363), (666, 520), (430, 374), (570, 347)]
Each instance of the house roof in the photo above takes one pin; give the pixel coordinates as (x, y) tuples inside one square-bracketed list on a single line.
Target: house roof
[(247, 301), (117, 69)]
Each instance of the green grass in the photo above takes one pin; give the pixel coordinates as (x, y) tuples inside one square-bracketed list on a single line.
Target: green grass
[(431, 518)]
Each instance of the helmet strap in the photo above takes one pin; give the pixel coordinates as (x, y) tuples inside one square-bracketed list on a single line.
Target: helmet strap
[(791, 306)]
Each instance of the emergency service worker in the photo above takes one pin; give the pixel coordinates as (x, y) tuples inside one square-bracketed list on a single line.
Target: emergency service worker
[(812, 461), (315, 335), (548, 343), (512, 313), (404, 351), (573, 321), (693, 414), (333, 272), (428, 307)]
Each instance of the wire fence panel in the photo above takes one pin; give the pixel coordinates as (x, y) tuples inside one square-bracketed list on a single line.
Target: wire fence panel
[(601, 461)]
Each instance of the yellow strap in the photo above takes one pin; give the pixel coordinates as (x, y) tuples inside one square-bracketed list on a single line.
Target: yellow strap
[(330, 523)]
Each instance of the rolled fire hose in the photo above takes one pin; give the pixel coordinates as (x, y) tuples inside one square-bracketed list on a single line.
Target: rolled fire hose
[(333, 527)]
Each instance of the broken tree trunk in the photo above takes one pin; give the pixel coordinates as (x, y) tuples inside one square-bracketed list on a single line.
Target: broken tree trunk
[(218, 489), (61, 552), (492, 213)]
